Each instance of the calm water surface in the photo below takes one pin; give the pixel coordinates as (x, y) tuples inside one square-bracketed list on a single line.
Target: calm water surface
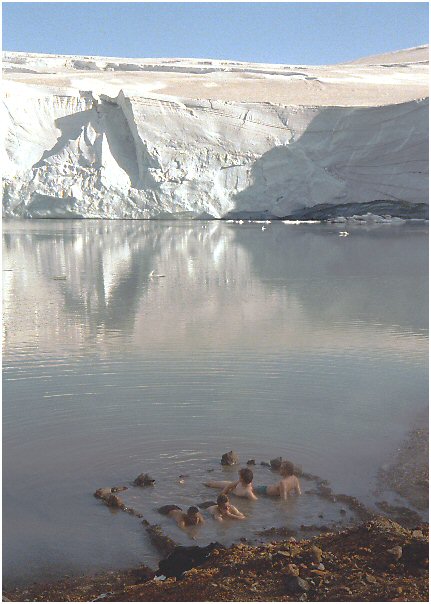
[(291, 341)]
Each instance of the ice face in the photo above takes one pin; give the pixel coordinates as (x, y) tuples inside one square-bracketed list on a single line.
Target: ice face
[(103, 138)]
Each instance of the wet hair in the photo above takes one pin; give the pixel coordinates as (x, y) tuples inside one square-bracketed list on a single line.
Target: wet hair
[(192, 511), (286, 468), (191, 518), (222, 499), (246, 475)]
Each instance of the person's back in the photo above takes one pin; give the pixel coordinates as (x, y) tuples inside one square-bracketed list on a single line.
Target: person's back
[(287, 485)]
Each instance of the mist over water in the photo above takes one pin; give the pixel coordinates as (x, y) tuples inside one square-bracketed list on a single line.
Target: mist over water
[(291, 341)]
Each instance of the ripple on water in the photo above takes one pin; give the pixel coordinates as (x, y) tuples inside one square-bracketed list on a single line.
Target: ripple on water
[(287, 346)]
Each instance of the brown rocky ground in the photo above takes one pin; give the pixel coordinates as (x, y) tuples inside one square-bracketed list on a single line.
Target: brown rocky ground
[(375, 561)]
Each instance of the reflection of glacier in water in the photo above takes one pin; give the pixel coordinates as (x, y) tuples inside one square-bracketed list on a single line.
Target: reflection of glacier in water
[(290, 341)]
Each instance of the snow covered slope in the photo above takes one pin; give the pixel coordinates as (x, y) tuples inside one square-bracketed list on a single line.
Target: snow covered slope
[(135, 138)]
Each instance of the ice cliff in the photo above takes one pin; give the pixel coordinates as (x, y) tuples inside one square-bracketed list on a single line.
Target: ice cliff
[(111, 138)]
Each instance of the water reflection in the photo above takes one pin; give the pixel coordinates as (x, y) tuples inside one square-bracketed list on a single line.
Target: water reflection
[(223, 286)]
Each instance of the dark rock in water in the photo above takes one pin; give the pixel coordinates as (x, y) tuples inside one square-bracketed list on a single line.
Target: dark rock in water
[(106, 491), (295, 585), (265, 463), (113, 501), (206, 504), (308, 476), (132, 512), (164, 544), (399, 209), (118, 489), (184, 558), (281, 531), (165, 509), (144, 480), (229, 459), (276, 463), (251, 462), (103, 492)]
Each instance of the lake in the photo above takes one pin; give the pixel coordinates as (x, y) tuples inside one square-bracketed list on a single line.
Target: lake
[(288, 341)]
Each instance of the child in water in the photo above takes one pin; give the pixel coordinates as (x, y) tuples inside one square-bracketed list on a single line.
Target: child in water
[(192, 517), (224, 509), (287, 485), (241, 488)]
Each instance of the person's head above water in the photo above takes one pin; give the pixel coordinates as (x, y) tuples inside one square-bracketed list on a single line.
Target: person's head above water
[(286, 469), (192, 515), (246, 475), (222, 501)]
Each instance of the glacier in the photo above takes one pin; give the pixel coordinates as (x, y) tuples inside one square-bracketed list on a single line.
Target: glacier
[(94, 137)]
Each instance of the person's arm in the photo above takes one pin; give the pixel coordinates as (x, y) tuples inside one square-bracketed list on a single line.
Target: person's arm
[(178, 516), (200, 519), (230, 487), (252, 495), (215, 513), (297, 486), (232, 512)]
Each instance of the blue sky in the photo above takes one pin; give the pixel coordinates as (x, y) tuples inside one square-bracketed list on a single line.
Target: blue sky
[(286, 32)]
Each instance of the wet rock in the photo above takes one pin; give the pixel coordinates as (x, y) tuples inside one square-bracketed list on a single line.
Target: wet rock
[(315, 528), (370, 578), (184, 558), (113, 501), (229, 459), (251, 462), (281, 531), (308, 476), (108, 497), (343, 512), (294, 585), (265, 464), (417, 533), (104, 492), (144, 480), (164, 544), (276, 463), (118, 489)]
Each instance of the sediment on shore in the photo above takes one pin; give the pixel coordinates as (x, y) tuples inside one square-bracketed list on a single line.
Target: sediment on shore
[(376, 561)]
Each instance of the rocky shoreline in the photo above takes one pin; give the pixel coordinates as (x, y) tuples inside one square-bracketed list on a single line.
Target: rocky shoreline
[(376, 561)]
